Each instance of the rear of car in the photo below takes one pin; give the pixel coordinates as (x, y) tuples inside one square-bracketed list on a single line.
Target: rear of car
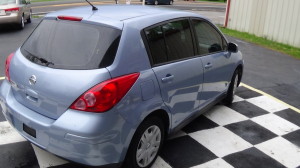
[(15, 12), (49, 95)]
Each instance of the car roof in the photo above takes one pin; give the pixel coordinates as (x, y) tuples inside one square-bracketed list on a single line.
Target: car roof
[(115, 15)]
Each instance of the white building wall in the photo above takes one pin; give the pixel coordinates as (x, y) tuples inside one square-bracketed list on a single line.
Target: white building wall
[(277, 20)]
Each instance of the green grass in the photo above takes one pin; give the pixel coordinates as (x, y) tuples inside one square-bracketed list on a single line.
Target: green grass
[(37, 16), (213, 0), (283, 48)]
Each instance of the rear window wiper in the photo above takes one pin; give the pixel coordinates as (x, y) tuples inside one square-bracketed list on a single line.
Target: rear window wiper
[(42, 60), (47, 63)]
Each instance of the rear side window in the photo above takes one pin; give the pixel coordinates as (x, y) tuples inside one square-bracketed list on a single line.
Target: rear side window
[(72, 45), (170, 41), (178, 40), (208, 38), (157, 45)]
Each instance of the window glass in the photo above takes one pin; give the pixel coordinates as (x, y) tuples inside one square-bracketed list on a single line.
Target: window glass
[(208, 38), (157, 45), (178, 40), (72, 45)]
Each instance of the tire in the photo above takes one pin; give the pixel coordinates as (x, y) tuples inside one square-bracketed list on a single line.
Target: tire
[(171, 2), (149, 146), (232, 88), (155, 2), (21, 24), (29, 18)]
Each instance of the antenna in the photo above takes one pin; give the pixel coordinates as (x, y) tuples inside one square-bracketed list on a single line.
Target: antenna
[(93, 7)]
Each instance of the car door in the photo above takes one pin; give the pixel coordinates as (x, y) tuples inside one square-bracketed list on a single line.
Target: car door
[(178, 71), (215, 57)]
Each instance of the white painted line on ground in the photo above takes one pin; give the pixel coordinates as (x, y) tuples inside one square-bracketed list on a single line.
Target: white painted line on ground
[(267, 104), (8, 134), (275, 124), (47, 159), (160, 163), (1, 78), (270, 96), (214, 163), (237, 99), (281, 150), (220, 141), (227, 115)]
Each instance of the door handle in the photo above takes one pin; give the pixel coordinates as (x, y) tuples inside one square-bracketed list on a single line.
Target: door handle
[(208, 65), (168, 78)]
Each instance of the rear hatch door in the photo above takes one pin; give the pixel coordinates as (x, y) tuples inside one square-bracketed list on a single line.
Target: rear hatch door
[(59, 62)]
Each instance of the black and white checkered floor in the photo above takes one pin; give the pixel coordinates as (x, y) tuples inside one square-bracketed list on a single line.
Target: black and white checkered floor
[(256, 131)]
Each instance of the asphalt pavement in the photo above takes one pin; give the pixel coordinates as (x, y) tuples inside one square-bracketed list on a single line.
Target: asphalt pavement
[(273, 72)]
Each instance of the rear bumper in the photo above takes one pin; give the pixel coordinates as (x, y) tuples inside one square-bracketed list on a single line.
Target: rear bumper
[(86, 138), (12, 18)]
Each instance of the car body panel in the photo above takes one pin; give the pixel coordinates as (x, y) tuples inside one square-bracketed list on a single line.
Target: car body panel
[(180, 90), (217, 75)]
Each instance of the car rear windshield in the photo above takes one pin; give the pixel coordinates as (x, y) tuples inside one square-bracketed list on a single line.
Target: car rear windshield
[(5, 2), (72, 45)]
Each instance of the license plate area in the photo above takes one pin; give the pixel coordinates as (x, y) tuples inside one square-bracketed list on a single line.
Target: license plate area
[(2, 12), (29, 131)]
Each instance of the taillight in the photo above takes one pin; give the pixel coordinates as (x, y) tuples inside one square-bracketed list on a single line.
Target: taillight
[(12, 10), (105, 95), (71, 18), (7, 64)]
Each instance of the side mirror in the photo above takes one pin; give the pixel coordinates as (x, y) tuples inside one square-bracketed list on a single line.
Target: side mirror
[(232, 47)]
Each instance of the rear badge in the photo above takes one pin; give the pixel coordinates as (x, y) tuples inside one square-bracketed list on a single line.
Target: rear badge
[(32, 80)]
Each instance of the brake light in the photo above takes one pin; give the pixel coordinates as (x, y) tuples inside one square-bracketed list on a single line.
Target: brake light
[(7, 64), (71, 18), (12, 10), (105, 95)]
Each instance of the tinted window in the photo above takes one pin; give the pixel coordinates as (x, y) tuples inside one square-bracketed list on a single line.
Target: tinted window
[(178, 40), (208, 38), (157, 45), (171, 41), (72, 45)]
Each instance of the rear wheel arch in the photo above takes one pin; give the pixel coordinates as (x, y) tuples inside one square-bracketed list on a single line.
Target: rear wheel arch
[(163, 115), (159, 118)]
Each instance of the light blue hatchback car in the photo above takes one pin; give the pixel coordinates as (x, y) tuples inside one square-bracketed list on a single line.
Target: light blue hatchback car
[(106, 87)]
